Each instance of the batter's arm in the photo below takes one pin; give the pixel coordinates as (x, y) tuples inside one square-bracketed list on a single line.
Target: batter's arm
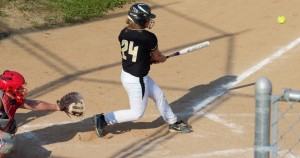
[(157, 57)]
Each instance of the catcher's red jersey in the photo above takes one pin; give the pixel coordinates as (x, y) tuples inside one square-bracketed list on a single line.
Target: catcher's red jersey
[(9, 108)]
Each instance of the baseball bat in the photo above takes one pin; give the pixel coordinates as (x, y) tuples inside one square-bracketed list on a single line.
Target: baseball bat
[(190, 49), (246, 85)]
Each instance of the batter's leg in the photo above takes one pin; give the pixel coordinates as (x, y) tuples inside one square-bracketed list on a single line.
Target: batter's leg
[(160, 100), (137, 100)]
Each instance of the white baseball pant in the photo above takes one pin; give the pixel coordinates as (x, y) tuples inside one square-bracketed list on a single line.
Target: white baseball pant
[(138, 90)]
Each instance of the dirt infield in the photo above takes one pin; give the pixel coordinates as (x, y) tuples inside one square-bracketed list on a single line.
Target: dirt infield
[(86, 58)]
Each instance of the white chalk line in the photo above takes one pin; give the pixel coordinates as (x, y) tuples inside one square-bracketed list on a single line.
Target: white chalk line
[(221, 90), (47, 124), (267, 61), (25, 130)]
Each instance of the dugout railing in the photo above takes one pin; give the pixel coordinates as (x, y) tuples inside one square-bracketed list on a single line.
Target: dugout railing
[(277, 122)]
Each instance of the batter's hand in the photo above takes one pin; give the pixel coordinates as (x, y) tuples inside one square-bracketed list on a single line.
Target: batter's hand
[(154, 62), (157, 57)]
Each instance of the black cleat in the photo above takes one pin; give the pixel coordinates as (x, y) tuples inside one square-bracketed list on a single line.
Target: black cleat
[(180, 127), (100, 123)]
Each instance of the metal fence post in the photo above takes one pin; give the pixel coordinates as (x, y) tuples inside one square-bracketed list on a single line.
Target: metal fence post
[(263, 90)]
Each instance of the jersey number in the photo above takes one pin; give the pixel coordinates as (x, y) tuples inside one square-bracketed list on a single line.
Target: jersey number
[(131, 50)]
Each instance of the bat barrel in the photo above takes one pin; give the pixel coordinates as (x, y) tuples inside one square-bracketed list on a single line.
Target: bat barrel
[(190, 49)]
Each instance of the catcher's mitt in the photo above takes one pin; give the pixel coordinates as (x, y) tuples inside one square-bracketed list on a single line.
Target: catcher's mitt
[(72, 103)]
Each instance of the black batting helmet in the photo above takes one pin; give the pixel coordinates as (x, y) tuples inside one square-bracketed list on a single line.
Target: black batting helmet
[(139, 13)]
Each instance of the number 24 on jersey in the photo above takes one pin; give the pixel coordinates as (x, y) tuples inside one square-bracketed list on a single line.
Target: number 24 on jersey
[(128, 46)]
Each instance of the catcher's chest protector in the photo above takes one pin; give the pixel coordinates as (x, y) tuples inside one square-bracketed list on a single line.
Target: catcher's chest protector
[(9, 108)]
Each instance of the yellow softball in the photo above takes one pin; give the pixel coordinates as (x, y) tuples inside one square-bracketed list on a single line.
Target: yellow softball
[(281, 19)]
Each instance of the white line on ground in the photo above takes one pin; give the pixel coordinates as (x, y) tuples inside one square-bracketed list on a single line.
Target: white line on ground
[(221, 90)]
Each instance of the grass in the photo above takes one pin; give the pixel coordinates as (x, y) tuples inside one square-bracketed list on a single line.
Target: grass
[(63, 11), (82, 10), (2, 5), (73, 11)]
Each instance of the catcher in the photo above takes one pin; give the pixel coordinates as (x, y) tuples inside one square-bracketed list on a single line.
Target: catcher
[(12, 97)]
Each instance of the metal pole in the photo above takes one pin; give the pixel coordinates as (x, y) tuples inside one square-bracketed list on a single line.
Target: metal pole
[(275, 127), (263, 90), (290, 95)]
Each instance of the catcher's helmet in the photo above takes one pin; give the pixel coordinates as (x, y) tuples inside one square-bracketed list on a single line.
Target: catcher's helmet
[(13, 83), (139, 13)]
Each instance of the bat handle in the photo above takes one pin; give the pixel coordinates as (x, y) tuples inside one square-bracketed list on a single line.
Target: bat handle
[(172, 55)]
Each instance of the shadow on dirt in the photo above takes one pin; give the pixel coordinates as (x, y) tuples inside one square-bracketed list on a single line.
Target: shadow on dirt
[(183, 107), (6, 32), (36, 139)]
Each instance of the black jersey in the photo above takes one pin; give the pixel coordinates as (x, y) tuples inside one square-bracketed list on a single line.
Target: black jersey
[(136, 47)]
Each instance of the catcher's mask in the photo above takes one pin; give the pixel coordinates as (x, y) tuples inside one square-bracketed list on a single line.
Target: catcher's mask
[(14, 84), (140, 14)]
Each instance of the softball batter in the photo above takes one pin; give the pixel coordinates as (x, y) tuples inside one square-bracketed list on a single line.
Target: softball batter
[(139, 48)]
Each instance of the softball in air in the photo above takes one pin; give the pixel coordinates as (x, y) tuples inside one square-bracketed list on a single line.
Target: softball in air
[(281, 19)]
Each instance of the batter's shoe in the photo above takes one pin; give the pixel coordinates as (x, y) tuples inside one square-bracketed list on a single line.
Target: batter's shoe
[(180, 127), (100, 123)]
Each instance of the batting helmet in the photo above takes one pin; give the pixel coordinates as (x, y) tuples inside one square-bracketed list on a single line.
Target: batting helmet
[(139, 13), (13, 83)]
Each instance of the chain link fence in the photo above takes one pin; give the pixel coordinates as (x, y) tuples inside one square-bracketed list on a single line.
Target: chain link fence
[(277, 122)]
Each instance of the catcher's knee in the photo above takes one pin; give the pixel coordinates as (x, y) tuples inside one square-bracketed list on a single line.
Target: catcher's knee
[(7, 143)]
